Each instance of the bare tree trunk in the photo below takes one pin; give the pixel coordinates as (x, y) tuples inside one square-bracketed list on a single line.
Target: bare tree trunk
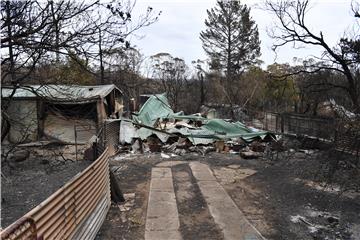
[(9, 30), (56, 29), (102, 80), (202, 93), (293, 30)]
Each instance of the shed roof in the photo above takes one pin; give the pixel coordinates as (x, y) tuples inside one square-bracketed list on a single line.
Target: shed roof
[(62, 93)]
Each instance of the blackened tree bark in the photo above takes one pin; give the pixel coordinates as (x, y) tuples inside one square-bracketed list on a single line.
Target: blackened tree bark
[(113, 22), (10, 45), (33, 33), (343, 58)]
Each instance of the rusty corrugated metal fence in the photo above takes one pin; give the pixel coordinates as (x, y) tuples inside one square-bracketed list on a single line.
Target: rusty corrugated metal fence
[(75, 211)]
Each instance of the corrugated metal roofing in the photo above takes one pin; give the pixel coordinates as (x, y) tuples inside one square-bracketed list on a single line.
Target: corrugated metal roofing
[(157, 107), (60, 92)]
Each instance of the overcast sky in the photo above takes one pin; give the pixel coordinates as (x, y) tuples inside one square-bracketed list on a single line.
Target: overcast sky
[(181, 21)]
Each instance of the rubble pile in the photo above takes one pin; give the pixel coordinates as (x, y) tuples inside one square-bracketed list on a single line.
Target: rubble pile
[(157, 128)]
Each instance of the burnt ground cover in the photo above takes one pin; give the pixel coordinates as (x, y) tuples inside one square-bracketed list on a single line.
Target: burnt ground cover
[(294, 194), (26, 184), (285, 200), (284, 196)]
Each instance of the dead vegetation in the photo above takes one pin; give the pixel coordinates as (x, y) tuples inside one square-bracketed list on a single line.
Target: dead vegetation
[(28, 182), (294, 173)]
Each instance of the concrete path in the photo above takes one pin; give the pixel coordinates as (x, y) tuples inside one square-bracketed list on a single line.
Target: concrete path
[(162, 219), (222, 208)]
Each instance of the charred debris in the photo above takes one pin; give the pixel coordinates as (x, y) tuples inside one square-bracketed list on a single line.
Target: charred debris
[(157, 128)]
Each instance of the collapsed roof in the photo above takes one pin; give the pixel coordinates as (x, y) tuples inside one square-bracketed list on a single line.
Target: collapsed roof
[(153, 119)]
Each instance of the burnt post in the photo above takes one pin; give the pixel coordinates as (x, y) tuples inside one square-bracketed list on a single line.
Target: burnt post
[(75, 142)]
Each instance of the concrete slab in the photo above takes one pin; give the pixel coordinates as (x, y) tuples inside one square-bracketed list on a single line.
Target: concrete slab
[(160, 209), (226, 214), (162, 223), (162, 235), (170, 163), (161, 196), (160, 172), (162, 218), (201, 172), (161, 184)]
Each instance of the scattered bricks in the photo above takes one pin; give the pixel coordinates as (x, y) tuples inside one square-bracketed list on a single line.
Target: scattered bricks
[(180, 151), (207, 149)]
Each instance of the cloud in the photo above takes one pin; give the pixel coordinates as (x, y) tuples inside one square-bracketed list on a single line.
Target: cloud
[(177, 31)]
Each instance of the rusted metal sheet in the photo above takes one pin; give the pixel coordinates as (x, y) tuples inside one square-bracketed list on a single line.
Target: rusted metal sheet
[(24, 228), (75, 211), (60, 93)]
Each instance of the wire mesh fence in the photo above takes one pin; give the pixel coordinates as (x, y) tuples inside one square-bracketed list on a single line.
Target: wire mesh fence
[(108, 136), (343, 133)]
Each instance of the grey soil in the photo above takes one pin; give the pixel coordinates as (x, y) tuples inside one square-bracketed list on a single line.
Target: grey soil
[(268, 198), (31, 182)]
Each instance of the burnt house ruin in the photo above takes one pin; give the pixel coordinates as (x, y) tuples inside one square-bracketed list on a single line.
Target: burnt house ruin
[(59, 112)]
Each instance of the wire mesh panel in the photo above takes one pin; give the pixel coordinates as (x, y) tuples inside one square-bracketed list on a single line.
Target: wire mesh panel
[(109, 136), (306, 125), (272, 121), (84, 132), (344, 133), (112, 128), (347, 138)]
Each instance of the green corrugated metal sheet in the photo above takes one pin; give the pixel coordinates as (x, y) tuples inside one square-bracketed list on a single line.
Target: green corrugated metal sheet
[(157, 107), (225, 130)]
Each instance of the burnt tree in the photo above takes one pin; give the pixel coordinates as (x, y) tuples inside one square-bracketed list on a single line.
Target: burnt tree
[(342, 58)]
